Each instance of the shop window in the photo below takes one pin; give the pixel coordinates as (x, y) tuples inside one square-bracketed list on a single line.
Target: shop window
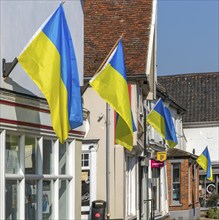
[(12, 154), (85, 178), (30, 199), (36, 176), (63, 199), (47, 202), (62, 159), (30, 156), (11, 193), (176, 183), (156, 188), (47, 154)]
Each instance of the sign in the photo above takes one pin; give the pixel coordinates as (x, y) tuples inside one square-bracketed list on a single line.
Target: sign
[(162, 155), (156, 164), (210, 188)]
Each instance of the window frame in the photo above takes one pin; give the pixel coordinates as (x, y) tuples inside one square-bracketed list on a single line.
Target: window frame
[(174, 202), (55, 177)]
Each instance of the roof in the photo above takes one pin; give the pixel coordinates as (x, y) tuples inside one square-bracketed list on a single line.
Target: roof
[(162, 93), (198, 93), (173, 153), (105, 21)]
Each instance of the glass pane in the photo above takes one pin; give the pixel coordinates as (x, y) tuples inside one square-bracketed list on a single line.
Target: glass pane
[(62, 159), (11, 196), (30, 155), (30, 199), (85, 160), (86, 163), (176, 173), (176, 192), (47, 157), (63, 199), (85, 179), (47, 200), (12, 154)]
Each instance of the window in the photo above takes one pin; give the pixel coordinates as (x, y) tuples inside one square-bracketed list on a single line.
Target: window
[(85, 179), (11, 193), (12, 154), (176, 183), (38, 178), (156, 188), (189, 184), (85, 160)]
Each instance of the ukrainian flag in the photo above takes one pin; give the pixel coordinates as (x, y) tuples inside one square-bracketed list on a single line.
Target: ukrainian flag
[(161, 120), (120, 132), (204, 161), (111, 84), (49, 59)]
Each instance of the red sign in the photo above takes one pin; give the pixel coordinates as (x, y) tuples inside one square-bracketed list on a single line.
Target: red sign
[(157, 164)]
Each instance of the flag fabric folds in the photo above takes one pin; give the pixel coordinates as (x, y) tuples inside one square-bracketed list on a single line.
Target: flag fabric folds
[(161, 120), (111, 84), (49, 59), (204, 161), (121, 126)]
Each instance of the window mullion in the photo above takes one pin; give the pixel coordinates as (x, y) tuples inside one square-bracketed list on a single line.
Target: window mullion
[(21, 188), (40, 182), (71, 185)]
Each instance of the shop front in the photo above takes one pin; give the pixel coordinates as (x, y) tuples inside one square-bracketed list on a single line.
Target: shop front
[(40, 177)]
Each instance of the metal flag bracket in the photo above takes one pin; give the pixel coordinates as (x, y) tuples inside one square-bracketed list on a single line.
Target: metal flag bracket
[(8, 67)]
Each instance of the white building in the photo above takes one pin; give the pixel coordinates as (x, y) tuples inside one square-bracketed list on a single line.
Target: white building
[(39, 177)]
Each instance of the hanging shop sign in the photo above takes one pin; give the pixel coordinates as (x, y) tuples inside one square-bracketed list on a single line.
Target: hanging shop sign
[(161, 156), (156, 164)]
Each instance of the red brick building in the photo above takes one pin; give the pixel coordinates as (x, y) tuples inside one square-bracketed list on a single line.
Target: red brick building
[(183, 184)]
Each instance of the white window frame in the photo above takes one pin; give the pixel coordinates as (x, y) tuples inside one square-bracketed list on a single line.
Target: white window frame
[(55, 177), (156, 182), (173, 202), (91, 148)]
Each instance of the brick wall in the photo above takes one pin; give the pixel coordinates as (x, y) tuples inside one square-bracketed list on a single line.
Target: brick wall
[(105, 21), (184, 198)]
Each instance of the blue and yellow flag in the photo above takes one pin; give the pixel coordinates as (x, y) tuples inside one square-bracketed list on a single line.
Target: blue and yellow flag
[(49, 59), (121, 131), (111, 84), (204, 161), (161, 120)]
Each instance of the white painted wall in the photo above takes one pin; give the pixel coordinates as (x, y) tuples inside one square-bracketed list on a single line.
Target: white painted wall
[(200, 137), (19, 21)]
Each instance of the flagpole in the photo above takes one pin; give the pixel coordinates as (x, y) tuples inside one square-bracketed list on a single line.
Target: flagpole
[(102, 64), (107, 161), (108, 139)]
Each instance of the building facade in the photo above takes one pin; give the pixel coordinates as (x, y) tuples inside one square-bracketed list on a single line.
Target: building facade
[(197, 92), (39, 176), (183, 184), (130, 172)]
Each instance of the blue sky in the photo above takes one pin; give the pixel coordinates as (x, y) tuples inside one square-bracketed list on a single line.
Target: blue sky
[(188, 36)]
